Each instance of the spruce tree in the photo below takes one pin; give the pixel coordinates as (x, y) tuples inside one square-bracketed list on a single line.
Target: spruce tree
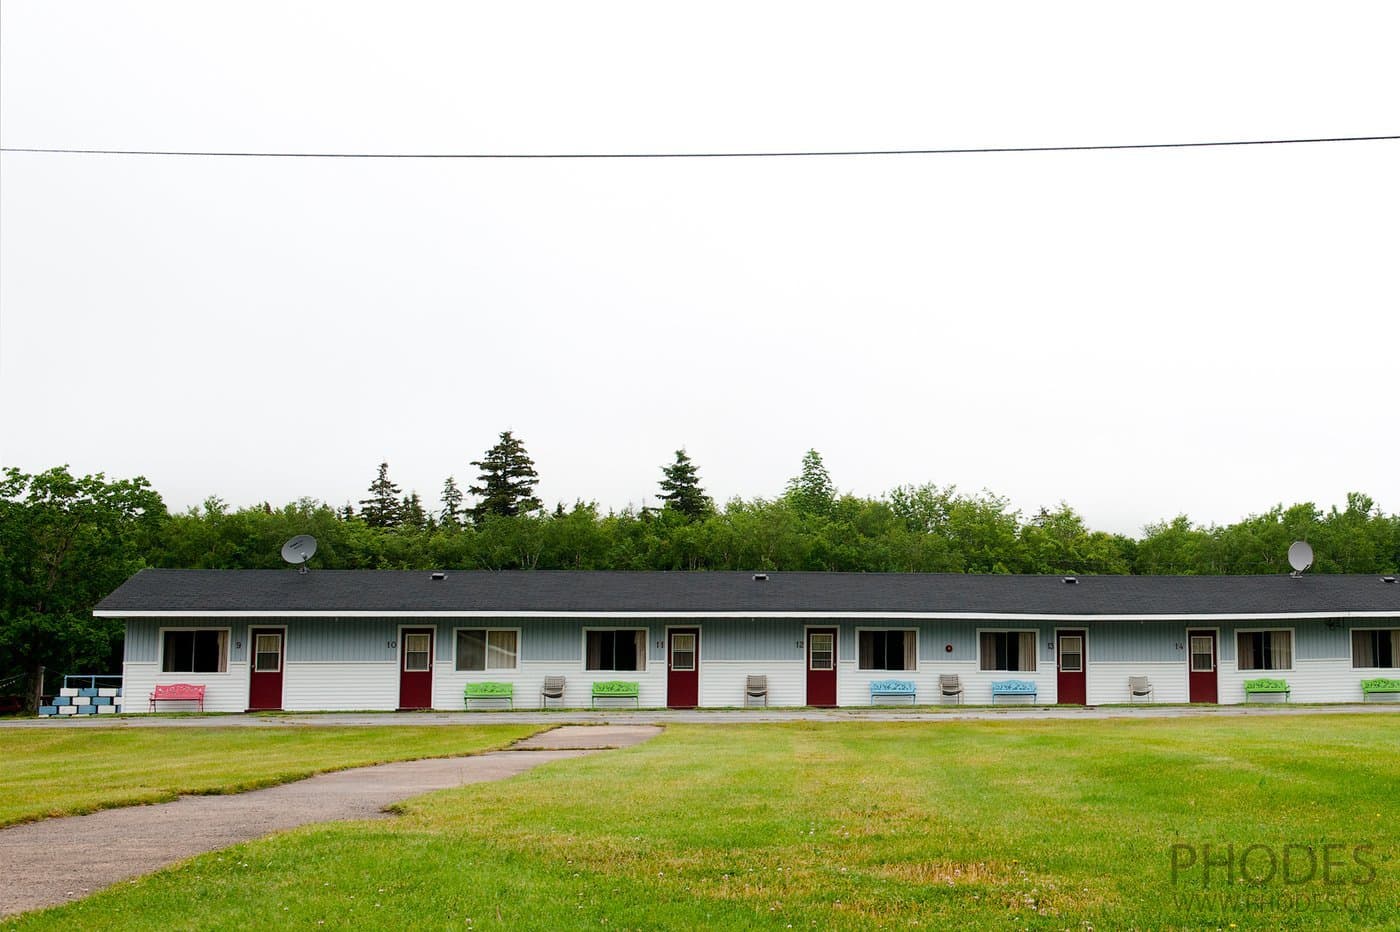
[(507, 481), (680, 489), (451, 502), (382, 508), (411, 513), (812, 492)]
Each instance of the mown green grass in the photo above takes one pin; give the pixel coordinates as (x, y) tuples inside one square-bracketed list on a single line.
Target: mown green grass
[(947, 825), (68, 771)]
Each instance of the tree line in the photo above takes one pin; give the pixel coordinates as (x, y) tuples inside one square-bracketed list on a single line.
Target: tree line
[(66, 541)]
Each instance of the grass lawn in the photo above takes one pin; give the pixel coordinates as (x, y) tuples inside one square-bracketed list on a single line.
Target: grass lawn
[(67, 771), (946, 825)]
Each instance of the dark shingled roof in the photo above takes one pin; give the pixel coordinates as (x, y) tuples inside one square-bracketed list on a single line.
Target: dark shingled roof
[(702, 592)]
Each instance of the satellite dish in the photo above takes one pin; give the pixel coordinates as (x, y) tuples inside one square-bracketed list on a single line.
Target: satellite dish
[(300, 549), (1300, 556)]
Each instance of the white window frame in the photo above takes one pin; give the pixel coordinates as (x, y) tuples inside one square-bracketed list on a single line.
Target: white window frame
[(1292, 651), (1083, 635), (253, 648), (228, 650), (1034, 631), (646, 650), (667, 641), (914, 631), (1214, 650), (1351, 647), (399, 649), (835, 631), (487, 649)]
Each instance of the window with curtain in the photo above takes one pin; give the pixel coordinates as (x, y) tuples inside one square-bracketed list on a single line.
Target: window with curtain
[(887, 650), (1264, 650), (487, 649), (1008, 651), (617, 650), (203, 651), (1375, 648)]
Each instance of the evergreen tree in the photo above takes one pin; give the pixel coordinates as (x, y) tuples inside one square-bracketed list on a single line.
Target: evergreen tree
[(508, 480), (382, 508), (411, 513), (680, 489), (811, 492), (451, 502)]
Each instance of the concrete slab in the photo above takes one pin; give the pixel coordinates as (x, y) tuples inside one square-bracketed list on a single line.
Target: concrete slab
[(569, 737)]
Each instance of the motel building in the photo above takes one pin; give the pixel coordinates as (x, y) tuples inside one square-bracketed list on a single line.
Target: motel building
[(400, 640)]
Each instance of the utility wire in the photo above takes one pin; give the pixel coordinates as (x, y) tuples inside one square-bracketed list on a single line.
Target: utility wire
[(691, 155)]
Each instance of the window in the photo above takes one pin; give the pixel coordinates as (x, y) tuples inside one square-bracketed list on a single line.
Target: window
[(483, 649), (1008, 651), (1071, 653), (267, 653), (887, 650), (1265, 650), (823, 650), (617, 650), (1202, 653), (683, 652), (204, 651), (417, 652), (1376, 648)]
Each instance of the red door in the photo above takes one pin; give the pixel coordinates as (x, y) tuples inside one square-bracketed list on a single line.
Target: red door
[(1070, 684), (416, 668), (265, 680), (683, 668), (821, 666), (1202, 670)]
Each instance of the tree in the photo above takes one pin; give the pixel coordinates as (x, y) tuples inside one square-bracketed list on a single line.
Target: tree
[(680, 489), (65, 543), (811, 492), (382, 508), (411, 513), (451, 502), (507, 481)]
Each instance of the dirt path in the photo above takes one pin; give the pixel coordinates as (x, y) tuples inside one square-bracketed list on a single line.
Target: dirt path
[(58, 860)]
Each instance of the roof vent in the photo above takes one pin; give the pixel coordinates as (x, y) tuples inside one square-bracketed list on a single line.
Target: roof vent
[(1071, 580), (439, 576), (760, 577), (1389, 579)]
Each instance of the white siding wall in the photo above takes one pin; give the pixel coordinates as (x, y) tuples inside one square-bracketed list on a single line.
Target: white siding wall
[(1334, 680), (722, 682), (223, 692), (853, 684), (1108, 682), (365, 684), (448, 684), (340, 687)]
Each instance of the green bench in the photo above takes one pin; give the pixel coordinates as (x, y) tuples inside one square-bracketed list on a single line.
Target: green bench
[(1265, 687), (490, 695), (1385, 690), (616, 692)]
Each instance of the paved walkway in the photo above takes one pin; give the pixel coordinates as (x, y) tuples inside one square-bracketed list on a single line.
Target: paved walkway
[(700, 716), (57, 860)]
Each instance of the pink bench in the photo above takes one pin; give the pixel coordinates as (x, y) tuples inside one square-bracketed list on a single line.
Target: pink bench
[(178, 692)]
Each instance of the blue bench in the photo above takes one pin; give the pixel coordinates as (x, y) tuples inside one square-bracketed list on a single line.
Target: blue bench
[(891, 691), (1013, 689)]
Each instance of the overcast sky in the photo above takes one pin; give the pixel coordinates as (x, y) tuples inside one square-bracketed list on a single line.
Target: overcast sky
[(1139, 333)]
